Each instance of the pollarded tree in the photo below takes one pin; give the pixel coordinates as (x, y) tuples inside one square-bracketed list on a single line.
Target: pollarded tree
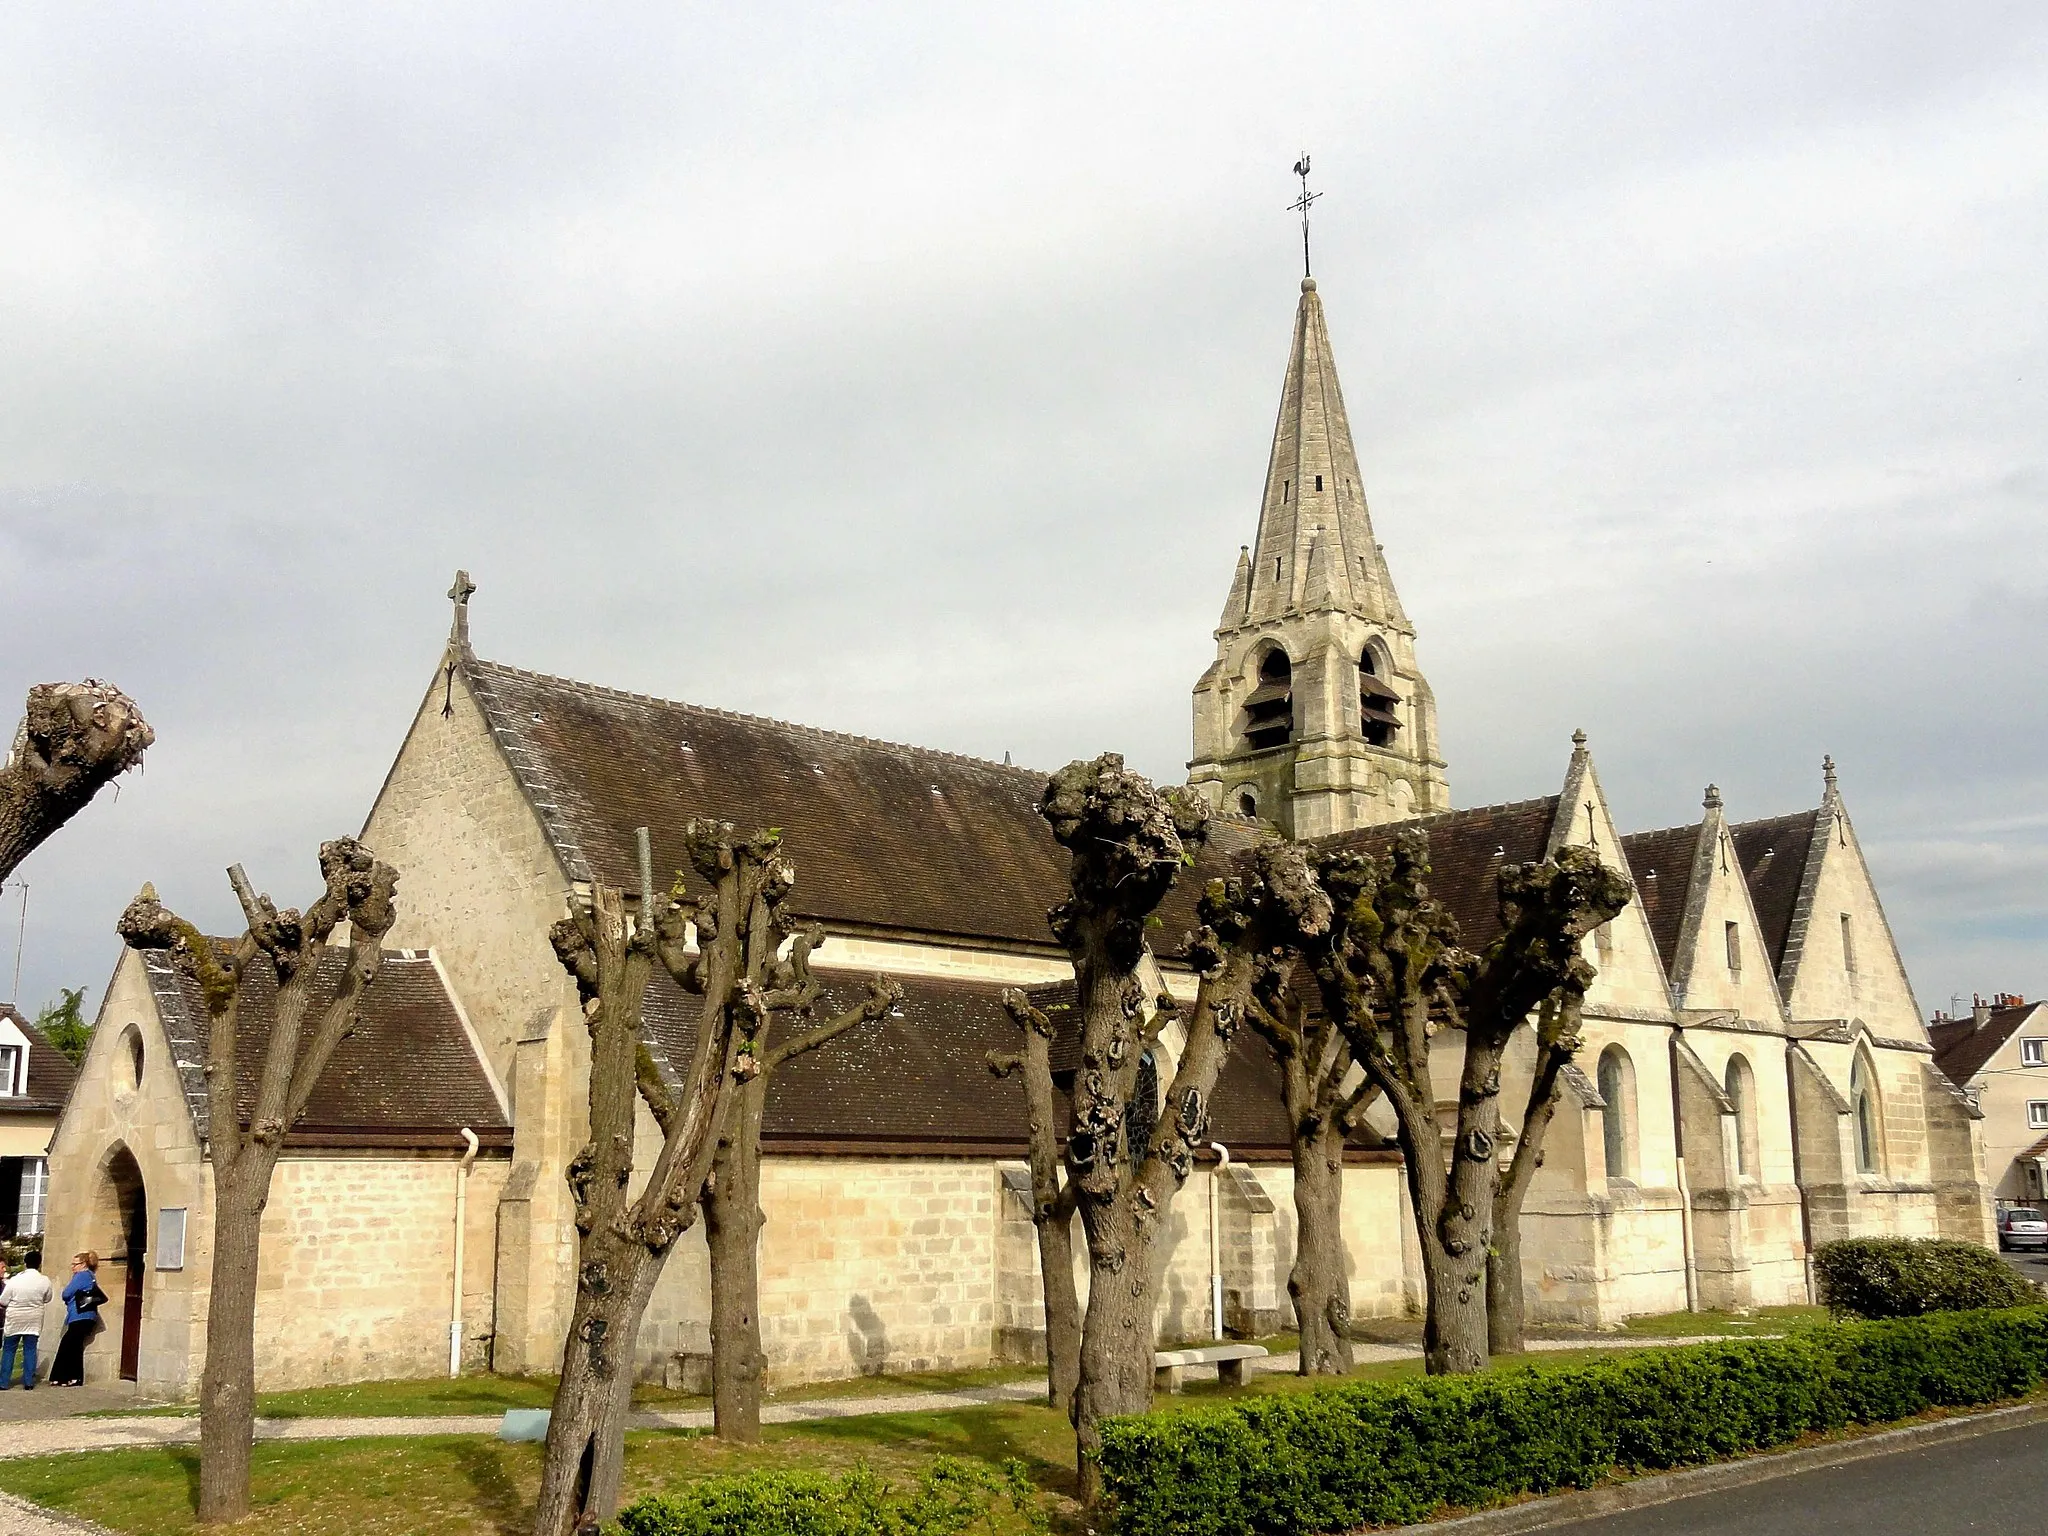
[(735, 972), (1126, 1160), (74, 738), (291, 946), (732, 1201), (1558, 1041), (1052, 1200), (1393, 978), (1325, 1097)]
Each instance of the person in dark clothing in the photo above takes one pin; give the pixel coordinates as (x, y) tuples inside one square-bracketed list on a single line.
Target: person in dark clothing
[(83, 1299)]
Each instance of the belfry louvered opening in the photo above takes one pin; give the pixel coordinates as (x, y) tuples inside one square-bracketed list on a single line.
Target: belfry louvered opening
[(1269, 711), (1376, 700)]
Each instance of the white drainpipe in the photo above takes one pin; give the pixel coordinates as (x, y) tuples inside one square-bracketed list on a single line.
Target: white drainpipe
[(1216, 1240), (455, 1287)]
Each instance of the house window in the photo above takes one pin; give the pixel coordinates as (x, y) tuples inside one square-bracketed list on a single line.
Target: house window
[(1248, 804), (2034, 1053), (1618, 1119), (1319, 482), (10, 1071), (35, 1188), (1731, 933), (2037, 1114), (1848, 946)]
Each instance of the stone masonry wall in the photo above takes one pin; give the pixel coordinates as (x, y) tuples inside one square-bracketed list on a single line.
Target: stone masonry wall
[(358, 1260)]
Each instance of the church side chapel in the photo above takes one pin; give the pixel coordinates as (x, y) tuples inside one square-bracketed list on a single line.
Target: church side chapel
[(1755, 1078)]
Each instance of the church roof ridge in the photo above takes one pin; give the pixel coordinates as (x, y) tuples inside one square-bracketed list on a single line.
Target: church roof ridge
[(849, 738)]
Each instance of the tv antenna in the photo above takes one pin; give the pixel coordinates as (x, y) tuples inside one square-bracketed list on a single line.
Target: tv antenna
[(20, 935)]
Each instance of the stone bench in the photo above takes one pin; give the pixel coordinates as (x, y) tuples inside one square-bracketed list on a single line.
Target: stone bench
[(1229, 1359)]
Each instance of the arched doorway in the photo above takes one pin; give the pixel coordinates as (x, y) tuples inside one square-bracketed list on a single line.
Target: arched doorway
[(120, 1233)]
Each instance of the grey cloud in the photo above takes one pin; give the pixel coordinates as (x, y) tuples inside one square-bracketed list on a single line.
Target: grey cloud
[(1697, 357)]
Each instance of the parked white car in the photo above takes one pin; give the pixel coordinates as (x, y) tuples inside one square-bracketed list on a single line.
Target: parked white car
[(2021, 1226)]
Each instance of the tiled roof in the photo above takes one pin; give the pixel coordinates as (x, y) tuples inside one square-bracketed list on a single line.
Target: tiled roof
[(1773, 855), (1661, 863), (882, 836), (1962, 1047), (1466, 851), (919, 1079), (408, 1077), (50, 1073)]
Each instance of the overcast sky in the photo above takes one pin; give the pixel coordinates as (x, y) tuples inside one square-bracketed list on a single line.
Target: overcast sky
[(910, 370)]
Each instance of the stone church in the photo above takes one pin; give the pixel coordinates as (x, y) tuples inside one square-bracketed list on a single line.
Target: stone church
[(1756, 1079)]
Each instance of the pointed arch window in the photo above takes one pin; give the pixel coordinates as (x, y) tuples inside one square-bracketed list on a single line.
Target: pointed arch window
[(1269, 710), (1867, 1112), (1376, 700), (1618, 1120), (1742, 1094)]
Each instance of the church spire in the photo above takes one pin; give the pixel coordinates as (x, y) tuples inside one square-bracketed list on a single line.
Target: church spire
[(1314, 493), (1315, 715)]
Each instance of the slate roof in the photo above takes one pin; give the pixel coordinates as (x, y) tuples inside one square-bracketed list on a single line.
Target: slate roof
[(50, 1073), (918, 1081), (1962, 1047), (408, 1077), (1661, 863), (1774, 855), (1466, 850), (883, 836)]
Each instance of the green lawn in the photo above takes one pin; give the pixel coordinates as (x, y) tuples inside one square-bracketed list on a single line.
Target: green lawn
[(1735, 1325), (469, 1485), (474, 1484)]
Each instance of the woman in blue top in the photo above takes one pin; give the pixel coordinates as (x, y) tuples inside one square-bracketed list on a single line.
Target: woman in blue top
[(83, 1299)]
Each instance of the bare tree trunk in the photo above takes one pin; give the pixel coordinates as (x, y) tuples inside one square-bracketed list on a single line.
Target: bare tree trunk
[(597, 1359), (736, 970), (227, 1382), (1392, 977), (1052, 1206), (73, 739), (732, 1229), (360, 890), (1557, 1042), (1320, 1283), (608, 1462), (1062, 1305)]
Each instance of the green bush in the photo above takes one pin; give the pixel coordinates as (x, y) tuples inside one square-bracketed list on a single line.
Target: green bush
[(1911, 1276), (951, 1497), (1387, 1453)]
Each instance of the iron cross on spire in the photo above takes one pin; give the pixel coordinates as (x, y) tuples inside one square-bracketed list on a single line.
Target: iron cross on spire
[(1301, 206)]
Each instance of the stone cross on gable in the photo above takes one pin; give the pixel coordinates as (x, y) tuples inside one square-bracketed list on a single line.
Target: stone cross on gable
[(459, 594)]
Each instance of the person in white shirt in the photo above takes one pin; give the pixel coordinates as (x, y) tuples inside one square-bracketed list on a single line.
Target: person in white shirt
[(21, 1321)]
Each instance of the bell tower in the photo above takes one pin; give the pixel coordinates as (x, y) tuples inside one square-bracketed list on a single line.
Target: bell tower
[(1314, 714)]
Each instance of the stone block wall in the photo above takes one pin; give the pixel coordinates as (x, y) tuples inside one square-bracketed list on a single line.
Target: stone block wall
[(358, 1264), (867, 1266)]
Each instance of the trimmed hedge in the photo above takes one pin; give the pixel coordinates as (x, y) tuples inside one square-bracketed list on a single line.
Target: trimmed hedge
[(1386, 1453), (952, 1496), (1912, 1276)]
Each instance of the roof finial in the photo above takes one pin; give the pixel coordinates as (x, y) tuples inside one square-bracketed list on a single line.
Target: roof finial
[(1578, 741), (459, 594), (1713, 799), (1827, 772), (1301, 205)]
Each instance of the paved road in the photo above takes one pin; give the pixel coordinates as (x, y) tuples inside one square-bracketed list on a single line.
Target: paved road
[(2031, 1262), (1991, 1483)]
